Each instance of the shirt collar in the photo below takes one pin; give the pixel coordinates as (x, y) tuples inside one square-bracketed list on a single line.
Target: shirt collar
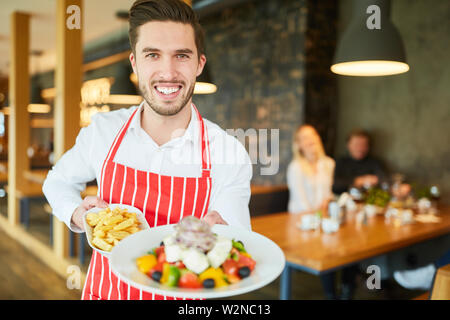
[(191, 133)]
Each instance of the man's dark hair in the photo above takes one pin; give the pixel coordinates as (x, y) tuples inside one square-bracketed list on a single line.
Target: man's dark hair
[(143, 11), (359, 133)]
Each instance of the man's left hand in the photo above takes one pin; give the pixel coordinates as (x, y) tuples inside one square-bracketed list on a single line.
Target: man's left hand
[(213, 217)]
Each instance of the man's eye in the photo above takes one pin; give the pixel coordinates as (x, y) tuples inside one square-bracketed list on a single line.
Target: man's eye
[(182, 56), (151, 55)]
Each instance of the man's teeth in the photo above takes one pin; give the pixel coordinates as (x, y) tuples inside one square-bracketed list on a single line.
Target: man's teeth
[(167, 90)]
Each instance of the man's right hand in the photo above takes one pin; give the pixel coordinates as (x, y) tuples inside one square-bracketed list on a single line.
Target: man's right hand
[(88, 203)]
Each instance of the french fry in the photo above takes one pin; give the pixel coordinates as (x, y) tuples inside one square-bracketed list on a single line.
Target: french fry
[(112, 220), (119, 235), (132, 229), (111, 226), (92, 219), (125, 224), (102, 244), (99, 234)]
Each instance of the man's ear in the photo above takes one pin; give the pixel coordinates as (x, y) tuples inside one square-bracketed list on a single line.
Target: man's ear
[(201, 64), (133, 62)]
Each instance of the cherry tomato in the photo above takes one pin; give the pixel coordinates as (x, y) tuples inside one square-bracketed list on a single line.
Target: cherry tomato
[(246, 262), (162, 257), (159, 250), (230, 267), (189, 280)]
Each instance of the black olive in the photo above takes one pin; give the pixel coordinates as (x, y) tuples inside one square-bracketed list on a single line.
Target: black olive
[(244, 272), (209, 283), (161, 244), (156, 275)]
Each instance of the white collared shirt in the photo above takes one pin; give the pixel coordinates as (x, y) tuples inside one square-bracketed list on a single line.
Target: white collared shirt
[(231, 168)]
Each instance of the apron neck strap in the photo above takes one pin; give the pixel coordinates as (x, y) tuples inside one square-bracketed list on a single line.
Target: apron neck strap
[(204, 142)]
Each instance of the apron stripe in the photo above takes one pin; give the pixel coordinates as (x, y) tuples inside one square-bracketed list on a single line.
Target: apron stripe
[(170, 201), (110, 284), (117, 188), (93, 273), (112, 185), (182, 199), (101, 278), (141, 191), (206, 200), (119, 296), (176, 201), (88, 279), (147, 194), (195, 200), (159, 199), (123, 185), (135, 188)]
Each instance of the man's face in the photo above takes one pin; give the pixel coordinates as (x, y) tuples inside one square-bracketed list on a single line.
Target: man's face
[(166, 64), (358, 147)]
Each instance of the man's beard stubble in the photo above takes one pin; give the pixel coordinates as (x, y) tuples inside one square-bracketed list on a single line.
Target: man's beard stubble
[(164, 110)]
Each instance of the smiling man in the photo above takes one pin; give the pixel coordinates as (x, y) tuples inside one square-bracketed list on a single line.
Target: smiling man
[(161, 157)]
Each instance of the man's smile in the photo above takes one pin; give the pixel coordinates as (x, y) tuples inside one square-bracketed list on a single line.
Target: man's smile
[(167, 91)]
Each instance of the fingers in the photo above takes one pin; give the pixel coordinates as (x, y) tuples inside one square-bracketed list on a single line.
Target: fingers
[(90, 202), (213, 218)]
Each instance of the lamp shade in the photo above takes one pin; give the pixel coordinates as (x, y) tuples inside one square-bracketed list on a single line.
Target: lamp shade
[(204, 84), (364, 51)]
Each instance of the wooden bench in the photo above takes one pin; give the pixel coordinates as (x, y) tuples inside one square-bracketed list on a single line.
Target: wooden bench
[(24, 194), (268, 199)]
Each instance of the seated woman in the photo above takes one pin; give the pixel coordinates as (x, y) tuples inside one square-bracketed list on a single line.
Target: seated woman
[(310, 173)]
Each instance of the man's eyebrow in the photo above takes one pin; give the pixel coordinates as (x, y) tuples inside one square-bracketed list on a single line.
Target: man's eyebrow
[(184, 51), (178, 51), (148, 49)]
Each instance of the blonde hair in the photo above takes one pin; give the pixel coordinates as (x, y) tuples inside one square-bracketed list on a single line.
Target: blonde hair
[(298, 155)]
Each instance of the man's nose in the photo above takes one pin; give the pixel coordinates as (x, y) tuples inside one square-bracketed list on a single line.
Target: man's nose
[(167, 69)]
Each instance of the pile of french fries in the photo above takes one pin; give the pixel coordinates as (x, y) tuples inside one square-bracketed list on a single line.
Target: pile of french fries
[(111, 226)]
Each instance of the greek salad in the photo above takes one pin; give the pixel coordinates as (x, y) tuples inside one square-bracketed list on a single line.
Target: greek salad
[(194, 257)]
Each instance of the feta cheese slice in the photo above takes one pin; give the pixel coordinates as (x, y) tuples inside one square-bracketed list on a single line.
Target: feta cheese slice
[(219, 253), (195, 260), (173, 252)]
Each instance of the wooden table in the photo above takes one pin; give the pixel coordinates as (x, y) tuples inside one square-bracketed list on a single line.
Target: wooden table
[(318, 253)]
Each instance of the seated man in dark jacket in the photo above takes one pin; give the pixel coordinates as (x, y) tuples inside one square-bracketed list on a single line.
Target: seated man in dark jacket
[(358, 169)]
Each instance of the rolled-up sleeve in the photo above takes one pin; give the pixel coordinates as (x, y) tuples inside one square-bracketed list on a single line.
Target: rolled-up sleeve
[(230, 195), (68, 178)]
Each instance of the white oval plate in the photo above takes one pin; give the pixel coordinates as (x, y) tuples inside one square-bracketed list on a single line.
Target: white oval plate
[(269, 258), (140, 216)]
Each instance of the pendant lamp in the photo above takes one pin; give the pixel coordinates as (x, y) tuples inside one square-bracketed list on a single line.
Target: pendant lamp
[(371, 45)]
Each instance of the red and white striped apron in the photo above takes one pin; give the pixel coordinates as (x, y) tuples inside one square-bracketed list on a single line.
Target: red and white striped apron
[(163, 200)]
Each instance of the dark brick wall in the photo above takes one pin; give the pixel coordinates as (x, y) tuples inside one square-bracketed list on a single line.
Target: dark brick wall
[(271, 61), (320, 83), (256, 58)]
